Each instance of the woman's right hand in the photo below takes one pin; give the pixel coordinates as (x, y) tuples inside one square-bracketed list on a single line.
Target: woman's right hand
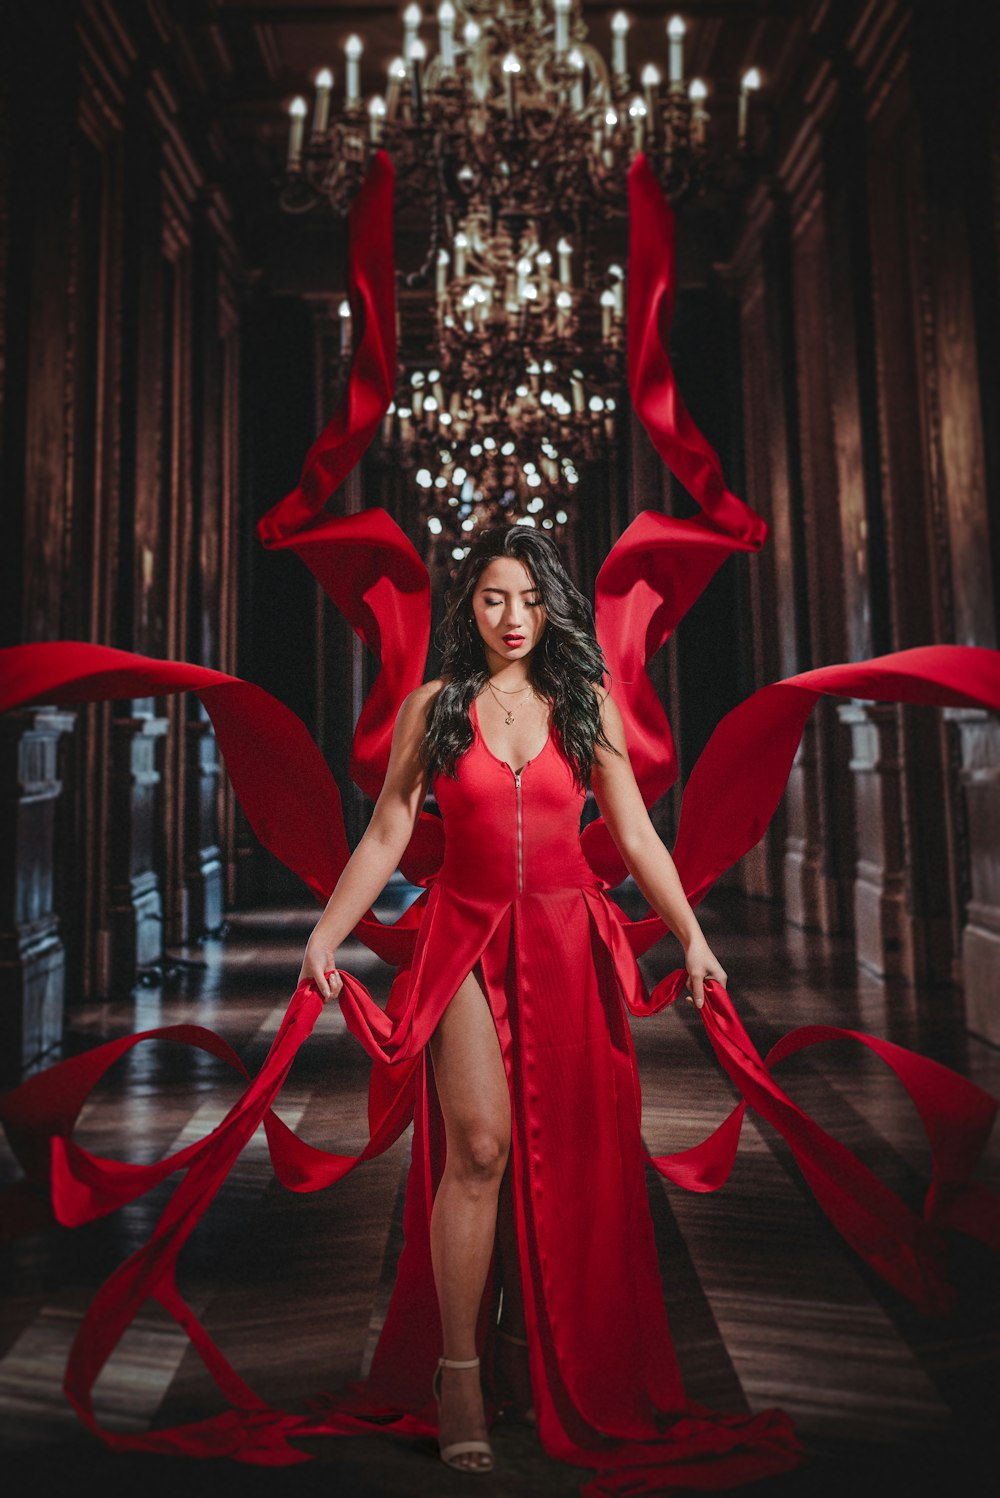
[(319, 967)]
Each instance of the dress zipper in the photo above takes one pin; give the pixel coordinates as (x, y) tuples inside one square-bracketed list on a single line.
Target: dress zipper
[(520, 845)]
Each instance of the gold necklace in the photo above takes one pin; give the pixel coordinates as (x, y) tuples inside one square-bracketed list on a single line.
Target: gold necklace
[(509, 711)]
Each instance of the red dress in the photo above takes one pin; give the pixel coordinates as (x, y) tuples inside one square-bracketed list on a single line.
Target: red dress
[(517, 902)]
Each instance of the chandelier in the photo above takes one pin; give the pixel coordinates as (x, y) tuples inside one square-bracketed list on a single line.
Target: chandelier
[(516, 109), (513, 140), (522, 394)]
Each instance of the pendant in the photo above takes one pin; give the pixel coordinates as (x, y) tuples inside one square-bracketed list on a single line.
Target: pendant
[(510, 716)]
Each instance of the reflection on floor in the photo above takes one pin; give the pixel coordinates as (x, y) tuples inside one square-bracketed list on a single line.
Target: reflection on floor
[(767, 1304)]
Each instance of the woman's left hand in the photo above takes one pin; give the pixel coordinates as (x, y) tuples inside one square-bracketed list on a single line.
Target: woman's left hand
[(700, 963)]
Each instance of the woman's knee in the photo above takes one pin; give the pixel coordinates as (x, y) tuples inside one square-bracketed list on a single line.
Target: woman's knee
[(478, 1153)]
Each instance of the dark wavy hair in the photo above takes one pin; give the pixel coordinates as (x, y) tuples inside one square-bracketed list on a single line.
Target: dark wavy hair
[(563, 665)]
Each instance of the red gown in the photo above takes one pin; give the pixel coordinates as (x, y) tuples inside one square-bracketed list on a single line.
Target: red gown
[(517, 902)]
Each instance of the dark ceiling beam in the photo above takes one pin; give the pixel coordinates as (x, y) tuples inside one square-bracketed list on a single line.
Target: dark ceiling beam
[(644, 10)]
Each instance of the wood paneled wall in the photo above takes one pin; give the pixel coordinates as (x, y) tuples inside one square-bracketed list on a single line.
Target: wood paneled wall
[(121, 328), (845, 359), (869, 315)]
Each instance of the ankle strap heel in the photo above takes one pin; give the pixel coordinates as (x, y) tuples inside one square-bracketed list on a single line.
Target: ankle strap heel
[(451, 1455)]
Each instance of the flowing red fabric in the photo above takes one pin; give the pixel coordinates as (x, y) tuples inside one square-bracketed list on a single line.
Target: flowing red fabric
[(662, 563), (555, 956)]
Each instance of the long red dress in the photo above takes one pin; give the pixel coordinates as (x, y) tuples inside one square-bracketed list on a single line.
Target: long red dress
[(517, 902)]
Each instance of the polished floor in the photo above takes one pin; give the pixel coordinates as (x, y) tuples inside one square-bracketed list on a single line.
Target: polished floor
[(768, 1306)]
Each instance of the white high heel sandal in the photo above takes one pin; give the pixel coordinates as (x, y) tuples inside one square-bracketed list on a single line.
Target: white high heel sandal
[(460, 1448)]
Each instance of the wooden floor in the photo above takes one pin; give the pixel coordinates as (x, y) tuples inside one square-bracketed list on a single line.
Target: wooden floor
[(767, 1304)]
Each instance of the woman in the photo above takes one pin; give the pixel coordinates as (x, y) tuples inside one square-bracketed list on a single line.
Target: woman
[(521, 675)]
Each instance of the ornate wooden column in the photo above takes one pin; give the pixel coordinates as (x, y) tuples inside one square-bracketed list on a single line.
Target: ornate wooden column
[(956, 100), (820, 844), (31, 952), (934, 501), (135, 913), (773, 869)]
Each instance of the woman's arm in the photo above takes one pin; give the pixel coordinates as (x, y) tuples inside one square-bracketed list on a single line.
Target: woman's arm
[(648, 861), (371, 865)]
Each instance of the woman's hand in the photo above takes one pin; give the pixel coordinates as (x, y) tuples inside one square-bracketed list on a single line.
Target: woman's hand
[(701, 963), (319, 961)]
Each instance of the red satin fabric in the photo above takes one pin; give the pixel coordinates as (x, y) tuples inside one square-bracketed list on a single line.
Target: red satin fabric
[(556, 958)]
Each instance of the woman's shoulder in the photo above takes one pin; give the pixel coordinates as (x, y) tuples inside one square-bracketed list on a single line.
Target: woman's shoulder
[(419, 702)]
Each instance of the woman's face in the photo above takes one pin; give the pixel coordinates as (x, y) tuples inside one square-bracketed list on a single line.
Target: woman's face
[(508, 611)]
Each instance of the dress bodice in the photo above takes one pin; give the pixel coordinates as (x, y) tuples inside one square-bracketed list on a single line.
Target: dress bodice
[(509, 832)]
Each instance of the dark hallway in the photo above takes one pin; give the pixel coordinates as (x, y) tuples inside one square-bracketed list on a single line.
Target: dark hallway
[(180, 317)]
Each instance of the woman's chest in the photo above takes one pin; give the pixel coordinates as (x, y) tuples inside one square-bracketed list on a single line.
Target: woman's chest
[(513, 732)]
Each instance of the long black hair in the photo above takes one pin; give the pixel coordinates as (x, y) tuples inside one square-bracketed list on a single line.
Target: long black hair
[(563, 666)]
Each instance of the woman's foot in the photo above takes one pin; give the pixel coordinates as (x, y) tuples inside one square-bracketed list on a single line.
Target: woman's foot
[(462, 1433)]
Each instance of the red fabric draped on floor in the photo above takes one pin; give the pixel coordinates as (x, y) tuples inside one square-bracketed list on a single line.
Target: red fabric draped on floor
[(567, 939)]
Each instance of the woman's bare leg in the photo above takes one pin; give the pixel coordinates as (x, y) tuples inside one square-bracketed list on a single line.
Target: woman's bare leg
[(475, 1103)]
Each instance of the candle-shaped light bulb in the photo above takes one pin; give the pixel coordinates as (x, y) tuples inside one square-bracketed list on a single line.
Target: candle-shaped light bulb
[(418, 56), (446, 26), (461, 250), (637, 113), (297, 111), (564, 306), (579, 394), (345, 327), (321, 114), (604, 130), (565, 250), (397, 77), (353, 48), (471, 33), (619, 31), (651, 84), (417, 382), (511, 67), (698, 93), (577, 63), (562, 9), (675, 31), (607, 313), (376, 118), (412, 17), (617, 288), (748, 83), (443, 262)]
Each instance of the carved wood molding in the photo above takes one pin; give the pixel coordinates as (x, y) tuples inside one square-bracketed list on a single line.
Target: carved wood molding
[(880, 46)]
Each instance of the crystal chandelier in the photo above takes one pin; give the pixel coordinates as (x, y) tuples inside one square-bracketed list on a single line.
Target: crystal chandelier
[(523, 392), (513, 142), (516, 109)]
